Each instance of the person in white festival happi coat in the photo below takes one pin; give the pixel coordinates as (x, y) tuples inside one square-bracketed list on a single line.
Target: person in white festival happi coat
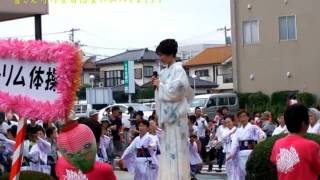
[(173, 94), (140, 158), (243, 142), (282, 128), (227, 136), (314, 121)]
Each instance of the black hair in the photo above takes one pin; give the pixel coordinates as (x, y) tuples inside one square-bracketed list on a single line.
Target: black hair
[(193, 136), (95, 127), (193, 118), (230, 116), (243, 112), (130, 109), (219, 111), (294, 116), (144, 122), (151, 118), (168, 47), (2, 117), (39, 128), (115, 108), (13, 130), (292, 96), (224, 107), (140, 113), (50, 131), (197, 108)]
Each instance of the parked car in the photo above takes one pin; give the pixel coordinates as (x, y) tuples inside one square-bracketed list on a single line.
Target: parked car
[(210, 103), (151, 105), (124, 108)]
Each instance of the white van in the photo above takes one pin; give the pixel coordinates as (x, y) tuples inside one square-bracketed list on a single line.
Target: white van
[(210, 103)]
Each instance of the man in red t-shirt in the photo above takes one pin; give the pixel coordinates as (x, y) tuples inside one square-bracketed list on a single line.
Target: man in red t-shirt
[(100, 171), (295, 156)]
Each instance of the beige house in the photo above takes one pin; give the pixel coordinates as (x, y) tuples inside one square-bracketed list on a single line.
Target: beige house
[(213, 64), (275, 45), (111, 69)]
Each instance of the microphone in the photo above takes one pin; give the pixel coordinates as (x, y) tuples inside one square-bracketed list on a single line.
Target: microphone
[(155, 75)]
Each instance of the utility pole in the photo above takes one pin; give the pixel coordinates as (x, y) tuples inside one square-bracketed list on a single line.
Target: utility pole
[(225, 29), (38, 27), (72, 34)]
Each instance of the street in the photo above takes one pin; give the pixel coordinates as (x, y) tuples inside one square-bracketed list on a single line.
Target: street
[(121, 175)]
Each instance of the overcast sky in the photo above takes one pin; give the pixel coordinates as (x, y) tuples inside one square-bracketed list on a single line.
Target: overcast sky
[(119, 26)]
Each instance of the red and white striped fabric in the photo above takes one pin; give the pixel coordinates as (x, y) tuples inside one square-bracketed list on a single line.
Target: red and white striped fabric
[(18, 149)]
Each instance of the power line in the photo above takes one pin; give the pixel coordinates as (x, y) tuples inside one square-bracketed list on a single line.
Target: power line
[(45, 34), (108, 48)]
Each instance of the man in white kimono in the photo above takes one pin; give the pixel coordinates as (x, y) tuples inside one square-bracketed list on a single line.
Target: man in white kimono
[(243, 142), (140, 157), (173, 92)]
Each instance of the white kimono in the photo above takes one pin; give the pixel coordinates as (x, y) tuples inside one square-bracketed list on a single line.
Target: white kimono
[(38, 154), (103, 147), (146, 166), (231, 166), (9, 144), (315, 129), (240, 157), (172, 99), (280, 130)]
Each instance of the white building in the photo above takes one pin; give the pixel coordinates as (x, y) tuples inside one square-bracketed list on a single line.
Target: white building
[(189, 51), (111, 68), (215, 65)]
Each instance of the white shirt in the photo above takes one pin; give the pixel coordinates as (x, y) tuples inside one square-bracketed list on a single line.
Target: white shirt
[(221, 129), (227, 136), (202, 125), (280, 130), (315, 129), (193, 153)]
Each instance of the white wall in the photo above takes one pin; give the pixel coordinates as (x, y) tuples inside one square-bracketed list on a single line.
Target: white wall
[(196, 68), (223, 86), (140, 82)]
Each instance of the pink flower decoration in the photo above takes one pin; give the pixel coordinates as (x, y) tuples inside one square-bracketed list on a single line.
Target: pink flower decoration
[(68, 70)]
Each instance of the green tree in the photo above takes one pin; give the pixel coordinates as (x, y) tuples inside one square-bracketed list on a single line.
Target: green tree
[(81, 93)]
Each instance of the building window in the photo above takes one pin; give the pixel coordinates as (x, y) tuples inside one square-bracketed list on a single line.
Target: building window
[(147, 71), (251, 32), (226, 73), (202, 73), (287, 28), (102, 78), (114, 78), (138, 73)]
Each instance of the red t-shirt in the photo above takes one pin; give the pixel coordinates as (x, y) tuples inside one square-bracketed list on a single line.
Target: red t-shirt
[(296, 158), (101, 171)]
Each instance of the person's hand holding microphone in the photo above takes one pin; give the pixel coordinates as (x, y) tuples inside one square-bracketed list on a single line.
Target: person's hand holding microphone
[(155, 80)]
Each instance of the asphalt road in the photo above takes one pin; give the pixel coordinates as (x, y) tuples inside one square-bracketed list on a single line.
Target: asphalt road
[(121, 175)]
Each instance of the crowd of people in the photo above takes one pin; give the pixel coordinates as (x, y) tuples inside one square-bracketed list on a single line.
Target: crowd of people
[(40, 151), (225, 139), (229, 139)]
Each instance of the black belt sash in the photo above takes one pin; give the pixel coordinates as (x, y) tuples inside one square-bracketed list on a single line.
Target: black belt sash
[(158, 151), (143, 152), (247, 144)]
